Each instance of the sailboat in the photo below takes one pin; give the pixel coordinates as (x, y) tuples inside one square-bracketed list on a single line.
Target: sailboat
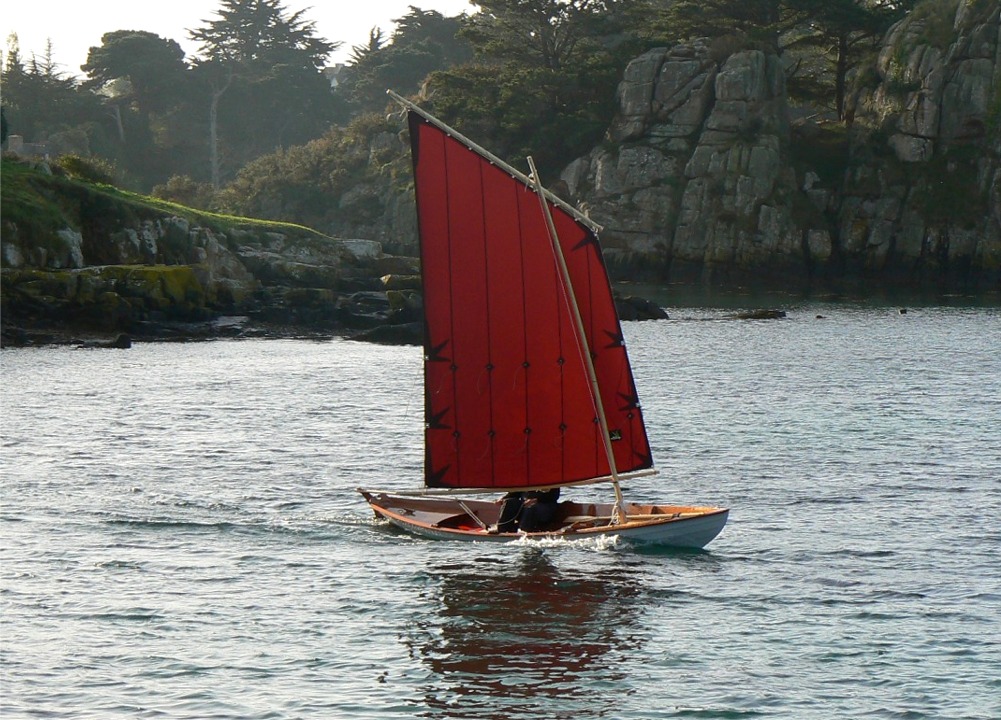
[(527, 381)]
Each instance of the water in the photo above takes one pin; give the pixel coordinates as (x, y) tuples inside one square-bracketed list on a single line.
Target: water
[(181, 537)]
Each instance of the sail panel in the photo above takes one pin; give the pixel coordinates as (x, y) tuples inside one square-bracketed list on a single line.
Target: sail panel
[(508, 399), (470, 330), (508, 315), (548, 331)]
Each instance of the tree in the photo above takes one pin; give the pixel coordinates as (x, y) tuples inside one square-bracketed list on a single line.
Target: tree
[(424, 29), (260, 31), (153, 66), (759, 21), (844, 31), (143, 79), (823, 40), (545, 77), (551, 33), (424, 41), (262, 69), (45, 106), (376, 42)]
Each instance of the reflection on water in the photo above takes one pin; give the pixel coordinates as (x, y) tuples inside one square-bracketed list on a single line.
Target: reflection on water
[(511, 636)]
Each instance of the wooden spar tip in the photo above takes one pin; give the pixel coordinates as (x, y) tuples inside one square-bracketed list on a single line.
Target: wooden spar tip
[(493, 159)]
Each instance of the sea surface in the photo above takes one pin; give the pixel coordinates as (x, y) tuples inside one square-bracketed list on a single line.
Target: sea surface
[(181, 536)]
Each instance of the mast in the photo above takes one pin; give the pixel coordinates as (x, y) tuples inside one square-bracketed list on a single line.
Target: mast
[(618, 512)]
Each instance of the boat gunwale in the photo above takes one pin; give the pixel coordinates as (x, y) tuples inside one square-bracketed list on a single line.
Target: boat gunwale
[(415, 525)]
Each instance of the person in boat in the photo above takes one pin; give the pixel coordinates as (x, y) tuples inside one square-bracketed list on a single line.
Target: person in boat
[(533, 511)]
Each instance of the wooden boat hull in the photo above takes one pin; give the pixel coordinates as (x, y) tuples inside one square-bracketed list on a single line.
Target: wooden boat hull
[(469, 520)]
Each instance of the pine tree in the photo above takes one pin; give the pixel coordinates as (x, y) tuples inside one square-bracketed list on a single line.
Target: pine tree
[(262, 68)]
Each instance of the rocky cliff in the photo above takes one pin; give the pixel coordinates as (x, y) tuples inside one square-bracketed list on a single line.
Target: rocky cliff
[(80, 260), (706, 178), (922, 197)]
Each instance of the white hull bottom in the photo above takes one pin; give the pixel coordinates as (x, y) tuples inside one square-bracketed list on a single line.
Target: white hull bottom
[(470, 520)]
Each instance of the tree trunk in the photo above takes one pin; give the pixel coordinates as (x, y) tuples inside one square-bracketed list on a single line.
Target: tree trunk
[(841, 75), (116, 113), (214, 139), (217, 93)]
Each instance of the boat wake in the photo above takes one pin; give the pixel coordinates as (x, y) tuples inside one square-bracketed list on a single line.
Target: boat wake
[(601, 543)]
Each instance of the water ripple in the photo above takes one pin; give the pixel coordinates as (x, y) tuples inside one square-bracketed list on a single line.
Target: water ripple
[(181, 537)]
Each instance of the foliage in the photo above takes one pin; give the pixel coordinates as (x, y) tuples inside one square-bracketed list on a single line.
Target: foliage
[(153, 67), (936, 18), (552, 34), (261, 72), (143, 82), (758, 20), (822, 41), (823, 149), (25, 204), (544, 80), (829, 39), (299, 182), (92, 169), (261, 32), (424, 42), (993, 120), (522, 77), (185, 190), (946, 188), (376, 42), (42, 104), (553, 116), (31, 198)]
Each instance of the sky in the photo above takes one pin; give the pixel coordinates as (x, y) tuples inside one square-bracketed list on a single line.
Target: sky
[(74, 27)]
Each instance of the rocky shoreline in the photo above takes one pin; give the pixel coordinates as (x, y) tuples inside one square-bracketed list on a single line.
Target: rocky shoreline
[(226, 327), (117, 270), (363, 317)]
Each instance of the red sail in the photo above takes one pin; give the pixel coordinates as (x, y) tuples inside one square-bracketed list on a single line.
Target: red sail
[(508, 400)]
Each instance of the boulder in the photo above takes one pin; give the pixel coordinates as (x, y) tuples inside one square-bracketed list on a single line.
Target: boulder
[(631, 307), (405, 334)]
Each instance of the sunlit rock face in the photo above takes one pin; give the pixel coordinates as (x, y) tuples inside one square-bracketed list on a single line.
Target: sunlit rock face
[(704, 178)]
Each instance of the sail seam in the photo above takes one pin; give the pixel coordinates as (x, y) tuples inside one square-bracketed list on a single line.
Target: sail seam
[(561, 300), (526, 367), (524, 334), (595, 350), (492, 448), (456, 436)]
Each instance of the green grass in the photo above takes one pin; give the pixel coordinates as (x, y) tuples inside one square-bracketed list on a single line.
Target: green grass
[(28, 197), (204, 217), (38, 204)]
